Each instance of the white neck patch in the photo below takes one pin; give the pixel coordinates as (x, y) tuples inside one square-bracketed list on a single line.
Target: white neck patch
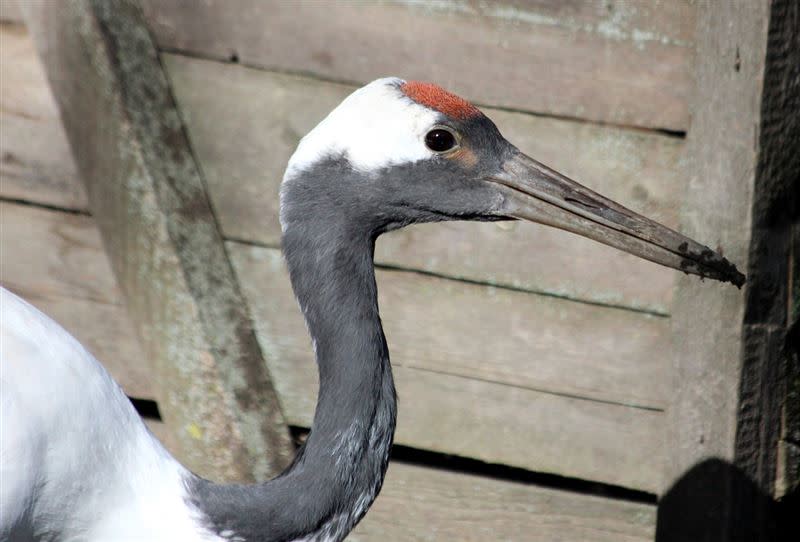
[(375, 127)]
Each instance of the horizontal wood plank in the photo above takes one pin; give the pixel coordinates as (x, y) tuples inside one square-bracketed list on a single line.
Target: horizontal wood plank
[(491, 400), (56, 262), (244, 124), (35, 160), (513, 338), (427, 505), (625, 61)]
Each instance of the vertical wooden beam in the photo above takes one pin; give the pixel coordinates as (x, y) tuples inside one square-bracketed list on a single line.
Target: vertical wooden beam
[(766, 420), (730, 389), (150, 202), (787, 483), (722, 151)]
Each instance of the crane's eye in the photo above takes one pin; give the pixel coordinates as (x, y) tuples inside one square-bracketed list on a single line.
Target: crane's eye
[(440, 140)]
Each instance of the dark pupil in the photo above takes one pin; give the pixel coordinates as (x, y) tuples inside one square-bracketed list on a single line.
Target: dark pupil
[(440, 140)]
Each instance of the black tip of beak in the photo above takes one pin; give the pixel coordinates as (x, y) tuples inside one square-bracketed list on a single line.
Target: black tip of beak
[(707, 263)]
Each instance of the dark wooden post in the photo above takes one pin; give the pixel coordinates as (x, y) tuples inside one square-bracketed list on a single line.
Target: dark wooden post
[(767, 428), (159, 229)]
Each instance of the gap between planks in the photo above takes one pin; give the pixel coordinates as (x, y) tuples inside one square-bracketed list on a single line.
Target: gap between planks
[(536, 431), (319, 78), (499, 285), (545, 391), (44, 206), (496, 471), (384, 266), (29, 199), (224, 104), (67, 178), (614, 43), (45, 216)]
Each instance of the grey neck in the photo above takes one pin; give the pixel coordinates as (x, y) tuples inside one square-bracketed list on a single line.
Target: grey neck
[(340, 469)]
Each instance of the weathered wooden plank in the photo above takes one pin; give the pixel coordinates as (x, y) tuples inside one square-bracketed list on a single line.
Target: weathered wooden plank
[(787, 475), (244, 124), (63, 307), (625, 62), (708, 317), (56, 261), (767, 391), (426, 505), (46, 258), (486, 333), (466, 361), (513, 426), (35, 160), (416, 503), (743, 190), (162, 239)]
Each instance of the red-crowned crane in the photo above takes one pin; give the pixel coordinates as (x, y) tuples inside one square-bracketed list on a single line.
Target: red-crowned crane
[(76, 461)]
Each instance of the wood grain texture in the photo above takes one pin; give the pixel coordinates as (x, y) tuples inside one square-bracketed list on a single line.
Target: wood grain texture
[(766, 389), (707, 325), (788, 468), (56, 262), (35, 160), (617, 62), (244, 124), (162, 239), (425, 505), (495, 370), (708, 316), (491, 400), (513, 338)]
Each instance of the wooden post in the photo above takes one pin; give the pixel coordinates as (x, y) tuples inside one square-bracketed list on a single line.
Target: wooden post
[(768, 427), (787, 483), (743, 158), (159, 229)]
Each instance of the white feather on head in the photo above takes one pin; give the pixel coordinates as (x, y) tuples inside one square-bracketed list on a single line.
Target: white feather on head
[(375, 127)]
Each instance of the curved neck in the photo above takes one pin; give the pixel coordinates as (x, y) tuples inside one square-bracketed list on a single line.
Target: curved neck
[(339, 470)]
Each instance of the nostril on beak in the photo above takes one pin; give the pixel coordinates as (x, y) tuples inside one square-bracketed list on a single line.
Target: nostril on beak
[(582, 203)]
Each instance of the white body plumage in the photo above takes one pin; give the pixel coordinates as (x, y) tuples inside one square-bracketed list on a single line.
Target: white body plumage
[(73, 451)]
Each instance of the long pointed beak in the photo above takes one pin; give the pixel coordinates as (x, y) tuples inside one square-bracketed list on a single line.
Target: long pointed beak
[(537, 193)]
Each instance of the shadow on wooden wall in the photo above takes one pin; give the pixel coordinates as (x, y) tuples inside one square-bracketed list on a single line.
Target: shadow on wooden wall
[(707, 502)]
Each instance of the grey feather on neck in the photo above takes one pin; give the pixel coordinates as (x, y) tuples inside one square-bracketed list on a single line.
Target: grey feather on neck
[(339, 471)]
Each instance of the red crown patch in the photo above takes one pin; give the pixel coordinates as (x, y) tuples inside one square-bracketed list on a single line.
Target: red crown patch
[(437, 98)]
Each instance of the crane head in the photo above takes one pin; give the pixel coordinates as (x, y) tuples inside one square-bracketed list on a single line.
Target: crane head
[(400, 152)]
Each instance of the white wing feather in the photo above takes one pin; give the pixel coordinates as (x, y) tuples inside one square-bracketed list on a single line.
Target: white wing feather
[(76, 461)]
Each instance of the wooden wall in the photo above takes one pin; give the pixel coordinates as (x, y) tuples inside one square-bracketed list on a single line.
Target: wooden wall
[(533, 349), (537, 349), (53, 256), (52, 252)]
